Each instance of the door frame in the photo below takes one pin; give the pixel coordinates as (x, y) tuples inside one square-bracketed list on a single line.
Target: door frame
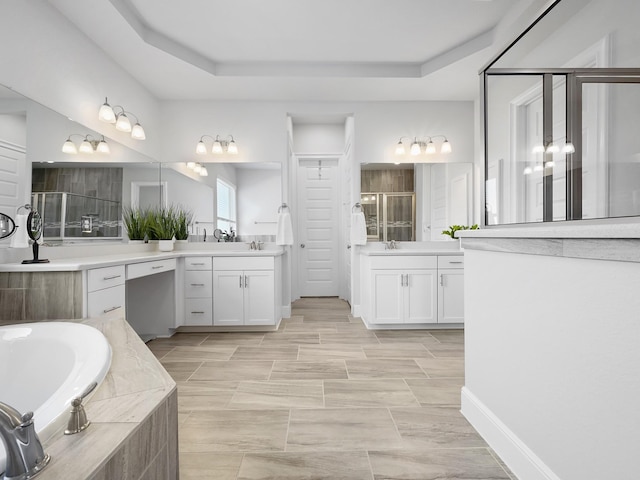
[(294, 191)]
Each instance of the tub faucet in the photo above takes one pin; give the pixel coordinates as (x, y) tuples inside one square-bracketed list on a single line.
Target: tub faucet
[(25, 455)]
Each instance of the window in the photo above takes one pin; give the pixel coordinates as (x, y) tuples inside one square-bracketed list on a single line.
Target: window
[(226, 206)]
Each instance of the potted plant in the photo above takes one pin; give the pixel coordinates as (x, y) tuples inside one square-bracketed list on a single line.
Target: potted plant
[(183, 219), (136, 222), (162, 227), (454, 228)]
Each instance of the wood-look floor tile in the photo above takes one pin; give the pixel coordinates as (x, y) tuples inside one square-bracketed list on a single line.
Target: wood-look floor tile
[(288, 338), (330, 352), (449, 336), (297, 466), (406, 336), (353, 338), (191, 339), (384, 368), (311, 327), (397, 350), (436, 391), (278, 394), (325, 319), (437, 464), (180, 371), (442, 367), (218, 466), (202, 395), (388, 392), (234, 431), (435, 427), (160, 352), (347, 429), (233, 338), (297, 370), (199, 354), (234, 370), (446, 350), (267, 352)]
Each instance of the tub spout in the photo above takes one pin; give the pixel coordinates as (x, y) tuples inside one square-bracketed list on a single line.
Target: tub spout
[(25, 455)]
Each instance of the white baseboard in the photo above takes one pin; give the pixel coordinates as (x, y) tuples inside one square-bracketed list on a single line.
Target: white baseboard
[(525, 464), (356, 311), (286, 311)]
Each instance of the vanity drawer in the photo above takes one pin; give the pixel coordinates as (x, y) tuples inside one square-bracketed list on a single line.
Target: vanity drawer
[(136, 270), (108, 301), (404, 262), (197, 263), (198, 311), (451, 261), (243, 263), (197, 284), (99, 278)]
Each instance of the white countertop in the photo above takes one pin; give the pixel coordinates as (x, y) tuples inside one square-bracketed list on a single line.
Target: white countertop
[(412, 248), (415, 252), (85, 263), (558, 230)]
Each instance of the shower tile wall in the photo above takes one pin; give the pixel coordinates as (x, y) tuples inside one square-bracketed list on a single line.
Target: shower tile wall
[(387, 181)]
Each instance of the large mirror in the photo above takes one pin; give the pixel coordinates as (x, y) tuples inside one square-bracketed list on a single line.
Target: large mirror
[(80, 196), (415, 202)]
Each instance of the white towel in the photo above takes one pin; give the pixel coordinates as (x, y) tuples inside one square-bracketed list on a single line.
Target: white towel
[(358, 232), (20, 238), (284, 232)]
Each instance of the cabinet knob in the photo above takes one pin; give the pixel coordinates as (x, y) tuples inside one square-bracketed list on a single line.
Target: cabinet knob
[(302, 245)]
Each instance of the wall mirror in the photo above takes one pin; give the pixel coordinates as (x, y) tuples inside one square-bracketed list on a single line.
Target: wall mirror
[(415, 202), (81, 196)]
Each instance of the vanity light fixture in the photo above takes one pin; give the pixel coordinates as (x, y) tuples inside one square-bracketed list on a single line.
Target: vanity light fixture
[(88, 145), (417, 146), (118, 115), (553, 147), (228, 145), (198, 168)]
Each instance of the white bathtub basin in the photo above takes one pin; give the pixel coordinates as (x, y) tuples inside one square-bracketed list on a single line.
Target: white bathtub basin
[(44, 365)]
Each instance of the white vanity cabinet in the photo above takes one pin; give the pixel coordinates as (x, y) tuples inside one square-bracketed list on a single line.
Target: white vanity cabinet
[(412, 289), (244, 291), (106, 291), (198, 294), (403, 290)]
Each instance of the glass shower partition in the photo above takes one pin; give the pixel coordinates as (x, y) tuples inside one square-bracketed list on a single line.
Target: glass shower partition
[(389, 216)]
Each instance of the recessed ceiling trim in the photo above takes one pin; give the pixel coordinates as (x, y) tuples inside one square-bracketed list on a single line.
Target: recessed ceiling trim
[(476, 44)]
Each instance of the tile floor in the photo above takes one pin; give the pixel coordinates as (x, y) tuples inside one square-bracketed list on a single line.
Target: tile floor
[(324, 398)]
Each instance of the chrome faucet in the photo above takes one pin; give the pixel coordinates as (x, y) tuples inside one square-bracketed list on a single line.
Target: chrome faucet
[(252, 245), (391, 245), (25, 455)]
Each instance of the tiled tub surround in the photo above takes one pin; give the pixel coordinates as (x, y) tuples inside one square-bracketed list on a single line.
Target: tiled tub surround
[(133, 414), (324, 398)]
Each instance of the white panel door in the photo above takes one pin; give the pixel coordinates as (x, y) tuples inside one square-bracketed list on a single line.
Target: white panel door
[(228, 298), (318, 228), (421, 296), (12, 179), (259, 295)]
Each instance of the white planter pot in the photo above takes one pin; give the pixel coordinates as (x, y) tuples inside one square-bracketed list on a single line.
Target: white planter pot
[(165, 245)]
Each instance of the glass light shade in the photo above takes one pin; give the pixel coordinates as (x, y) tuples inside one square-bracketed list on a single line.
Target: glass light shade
[(538, 149), (137, 132), (446, 147), (400, 148), (552, 148), (549, 164), (538, 168), (103, 147), (232, 148), (197, 168), (527, 171), (69, 147), (85, 147), (217, 147), (431, 148), (415, 148), (203, 172), (201, 148), (568, 148), (191, 165), (123, 124), (106, 113)]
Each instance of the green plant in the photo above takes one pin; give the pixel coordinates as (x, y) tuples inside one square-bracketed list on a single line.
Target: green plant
[(183, 219), (136, 222), (162, 223), (454, 228)]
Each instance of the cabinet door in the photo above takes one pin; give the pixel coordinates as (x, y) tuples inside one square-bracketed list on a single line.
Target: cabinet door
[(259, 298), (387, 296), (197, 284), (451, 296), (108, 301), (228, 298), (198, 311), (421, 296)]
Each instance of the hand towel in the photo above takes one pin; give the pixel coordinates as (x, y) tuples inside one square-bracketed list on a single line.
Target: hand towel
[(358, 234), (20, 238), (284, 232)]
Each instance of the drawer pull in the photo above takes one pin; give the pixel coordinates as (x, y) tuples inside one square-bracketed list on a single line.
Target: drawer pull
[(197, 284), (197, 313), (157, 267), (112, 309), (194, 263), (111, 277), (441, 280), (455, 262)]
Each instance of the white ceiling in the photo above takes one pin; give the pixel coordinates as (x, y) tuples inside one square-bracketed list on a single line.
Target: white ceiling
[(297, 50)]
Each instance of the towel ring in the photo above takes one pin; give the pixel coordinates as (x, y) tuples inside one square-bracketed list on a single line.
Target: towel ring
[(357, 206), (25, 206), (282, 207)]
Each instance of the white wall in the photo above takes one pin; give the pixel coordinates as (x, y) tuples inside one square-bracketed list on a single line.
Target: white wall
[(259, 196), (552, 354), (14, 129), (318, 138)]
